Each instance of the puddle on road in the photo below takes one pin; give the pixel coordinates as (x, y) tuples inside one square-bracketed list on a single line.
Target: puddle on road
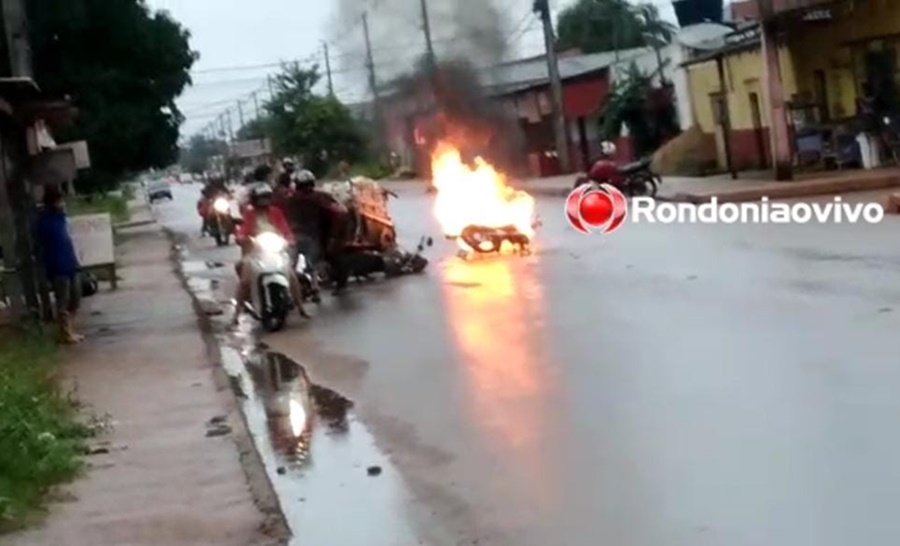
[(334, 485)]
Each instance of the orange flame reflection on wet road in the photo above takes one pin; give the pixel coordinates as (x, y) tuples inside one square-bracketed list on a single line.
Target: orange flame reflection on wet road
[(497, 309)]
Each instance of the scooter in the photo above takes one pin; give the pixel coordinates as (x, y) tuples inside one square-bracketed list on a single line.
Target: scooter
[(270, 287)]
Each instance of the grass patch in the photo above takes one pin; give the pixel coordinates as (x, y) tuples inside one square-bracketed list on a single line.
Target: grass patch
[(41, 439), (115, 205)]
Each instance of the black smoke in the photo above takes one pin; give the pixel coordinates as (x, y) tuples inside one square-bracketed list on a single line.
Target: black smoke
[(452, 102)]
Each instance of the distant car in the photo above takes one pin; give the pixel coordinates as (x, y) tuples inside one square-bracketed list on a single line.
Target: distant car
[(159, 189)]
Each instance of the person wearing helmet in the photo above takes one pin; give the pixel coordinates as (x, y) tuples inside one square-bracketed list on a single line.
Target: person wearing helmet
[(287, 174), (262, 215), (320, 224)]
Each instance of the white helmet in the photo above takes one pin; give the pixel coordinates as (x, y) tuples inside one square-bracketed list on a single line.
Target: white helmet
[(305, 178), (607, 148)]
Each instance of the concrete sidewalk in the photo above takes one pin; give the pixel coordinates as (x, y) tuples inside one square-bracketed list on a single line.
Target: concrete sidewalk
[(166, 476), (751, 188)]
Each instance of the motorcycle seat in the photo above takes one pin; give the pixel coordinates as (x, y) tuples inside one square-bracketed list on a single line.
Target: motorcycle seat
[(635, 166)]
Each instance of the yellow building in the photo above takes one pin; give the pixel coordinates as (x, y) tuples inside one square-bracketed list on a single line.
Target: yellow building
[(824, 54)]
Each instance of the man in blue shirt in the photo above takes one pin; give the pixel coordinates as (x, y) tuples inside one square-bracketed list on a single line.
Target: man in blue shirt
[(60, 261)]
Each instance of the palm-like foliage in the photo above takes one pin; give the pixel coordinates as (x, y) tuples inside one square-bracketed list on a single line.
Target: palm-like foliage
[(657, 31)]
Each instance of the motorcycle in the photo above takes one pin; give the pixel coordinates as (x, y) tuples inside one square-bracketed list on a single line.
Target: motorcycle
[(220, 220), (373, 246), (270, 288), (635, 179)]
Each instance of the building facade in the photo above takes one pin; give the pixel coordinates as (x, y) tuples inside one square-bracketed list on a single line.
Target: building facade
[(825, 54)]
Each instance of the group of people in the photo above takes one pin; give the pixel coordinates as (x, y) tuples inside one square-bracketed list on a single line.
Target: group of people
[(311, 221)]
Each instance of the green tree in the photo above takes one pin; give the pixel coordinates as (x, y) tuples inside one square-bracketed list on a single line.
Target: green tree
[(196, 155), (253, 129), (658, 32), (123, 66), (596, 26), (633, 103), (320, 128)]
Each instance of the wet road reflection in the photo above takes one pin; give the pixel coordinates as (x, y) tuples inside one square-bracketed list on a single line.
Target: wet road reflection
[(496, 305), (318, 457)]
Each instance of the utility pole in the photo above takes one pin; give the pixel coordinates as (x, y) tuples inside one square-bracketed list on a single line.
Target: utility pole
[(559, 121), (240, 115), (370, 60), (230, 126), (373, 85), (779, 134), (256, 104), (17, 43), (328, 68), (426, 27), (271, 87)]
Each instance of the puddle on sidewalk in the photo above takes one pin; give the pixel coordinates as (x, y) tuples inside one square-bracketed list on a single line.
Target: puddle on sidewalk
[(334, 485)]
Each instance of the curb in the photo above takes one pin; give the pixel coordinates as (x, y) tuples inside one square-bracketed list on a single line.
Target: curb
[(261, 487), (792, 190), (137, 223)]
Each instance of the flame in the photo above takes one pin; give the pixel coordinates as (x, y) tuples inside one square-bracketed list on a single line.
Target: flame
[(476, 195)]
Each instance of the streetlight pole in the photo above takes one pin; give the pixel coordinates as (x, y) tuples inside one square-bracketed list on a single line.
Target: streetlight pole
[(559, 121)]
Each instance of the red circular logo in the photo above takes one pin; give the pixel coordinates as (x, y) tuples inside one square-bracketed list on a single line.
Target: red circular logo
[(596, 207)]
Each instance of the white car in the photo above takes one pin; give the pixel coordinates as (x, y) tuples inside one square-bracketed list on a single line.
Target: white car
[(159, 189)]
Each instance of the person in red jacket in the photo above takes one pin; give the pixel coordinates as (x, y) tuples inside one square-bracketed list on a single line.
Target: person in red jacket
[(262, 216)]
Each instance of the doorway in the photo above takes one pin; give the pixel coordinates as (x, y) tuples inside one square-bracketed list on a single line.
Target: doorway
[(759, 132), (881, 70), (821, 89)]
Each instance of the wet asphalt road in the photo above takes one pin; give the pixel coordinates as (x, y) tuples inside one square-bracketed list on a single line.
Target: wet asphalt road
[(668, 385)]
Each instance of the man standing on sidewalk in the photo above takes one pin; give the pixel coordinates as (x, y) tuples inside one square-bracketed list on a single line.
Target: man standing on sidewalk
[(60, 262)]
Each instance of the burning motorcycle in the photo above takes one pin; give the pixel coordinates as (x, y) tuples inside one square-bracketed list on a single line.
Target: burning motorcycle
[(477, 208), (635, 179)]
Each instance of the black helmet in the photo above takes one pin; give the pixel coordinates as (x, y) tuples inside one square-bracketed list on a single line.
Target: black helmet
[(261, 196), (262, 173)]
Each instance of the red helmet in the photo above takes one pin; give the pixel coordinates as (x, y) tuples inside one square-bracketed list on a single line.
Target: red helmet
[(603, 171)]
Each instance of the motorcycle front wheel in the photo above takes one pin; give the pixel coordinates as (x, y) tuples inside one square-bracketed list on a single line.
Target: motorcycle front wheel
[(274, 318), (644, 186)]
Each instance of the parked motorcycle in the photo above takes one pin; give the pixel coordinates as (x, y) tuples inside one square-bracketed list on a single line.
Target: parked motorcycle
[(221, 220), (634, 179), (270, 288)]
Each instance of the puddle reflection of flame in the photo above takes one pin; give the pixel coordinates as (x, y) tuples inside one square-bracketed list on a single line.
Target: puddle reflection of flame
[(497, 322)]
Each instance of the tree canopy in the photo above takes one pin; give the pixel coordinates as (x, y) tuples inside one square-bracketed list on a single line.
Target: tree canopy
[(320, 128), (596, 26), (123, 67)]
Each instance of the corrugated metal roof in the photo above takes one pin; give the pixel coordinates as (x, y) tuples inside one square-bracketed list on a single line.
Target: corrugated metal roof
[(704, 36), (528, 73)]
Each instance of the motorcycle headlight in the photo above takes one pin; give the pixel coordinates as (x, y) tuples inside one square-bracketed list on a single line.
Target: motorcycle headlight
[(221, 205), (271, 242)]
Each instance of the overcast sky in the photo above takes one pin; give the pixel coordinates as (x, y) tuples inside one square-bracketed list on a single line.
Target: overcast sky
[(235, 37)]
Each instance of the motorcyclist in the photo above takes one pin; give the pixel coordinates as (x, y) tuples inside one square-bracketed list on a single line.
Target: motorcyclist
[(214, 187), (320, 223), (287, 175), (305, 215), (261, 216)]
